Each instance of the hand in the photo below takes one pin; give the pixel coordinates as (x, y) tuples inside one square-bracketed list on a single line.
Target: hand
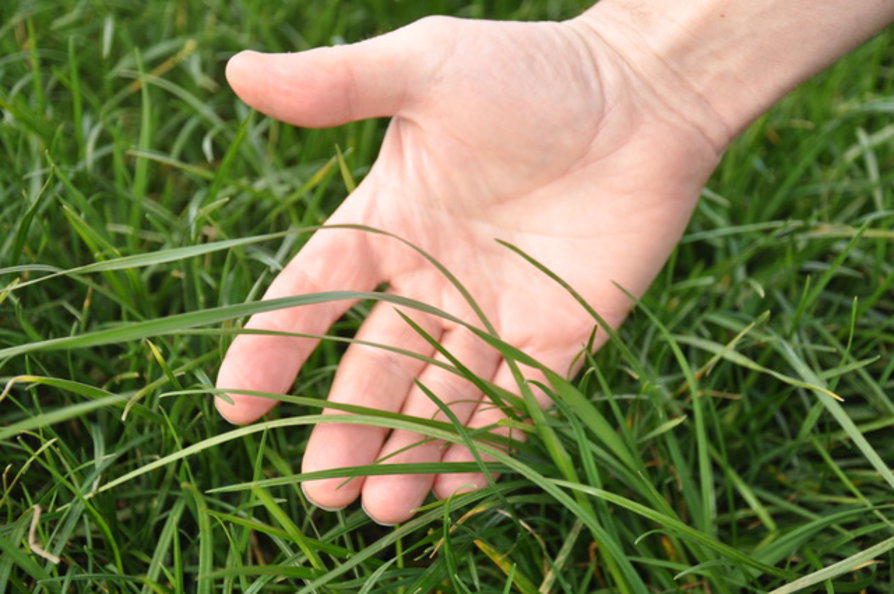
[(540, 134)]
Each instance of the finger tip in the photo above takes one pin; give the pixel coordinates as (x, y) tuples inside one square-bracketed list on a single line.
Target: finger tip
[(241, 68), (315, 503), (387, 523), (241, 409), (239, 62), (449, 486), (231, 412), (330, 494)]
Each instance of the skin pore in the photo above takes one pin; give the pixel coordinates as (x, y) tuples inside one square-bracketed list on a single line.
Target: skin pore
[(584, 143)]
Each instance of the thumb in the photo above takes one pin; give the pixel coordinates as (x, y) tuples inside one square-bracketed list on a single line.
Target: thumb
[(328, 86)]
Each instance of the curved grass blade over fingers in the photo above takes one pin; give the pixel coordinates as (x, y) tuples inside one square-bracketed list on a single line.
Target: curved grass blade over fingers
[(837, 569), (601, 322), (486, 387), (591, 416), (365, 470), (481, 434), (321, 337), (462, 431), (467, 296), (179, 322), (464, 372), (374, 418)]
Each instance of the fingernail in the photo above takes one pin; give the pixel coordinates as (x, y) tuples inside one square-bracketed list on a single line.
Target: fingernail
[(371, 517), (315, 504)]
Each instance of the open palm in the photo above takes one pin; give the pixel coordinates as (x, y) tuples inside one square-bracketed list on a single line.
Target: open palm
[(538, 134)]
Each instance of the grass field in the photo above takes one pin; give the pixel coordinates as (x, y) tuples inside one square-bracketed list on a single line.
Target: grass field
[(143, 209)]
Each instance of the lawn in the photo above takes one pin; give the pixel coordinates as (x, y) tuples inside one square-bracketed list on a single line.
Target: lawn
[(736, 435)]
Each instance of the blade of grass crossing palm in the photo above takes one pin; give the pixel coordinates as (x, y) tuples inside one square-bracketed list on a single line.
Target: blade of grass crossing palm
[(565, 390), (464, 371), (365, 470), (689, 493), (480, 465), (557, 451), (603, 325), (583, 407)]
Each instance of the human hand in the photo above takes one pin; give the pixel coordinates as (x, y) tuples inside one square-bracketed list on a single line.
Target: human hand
[(543, 135)]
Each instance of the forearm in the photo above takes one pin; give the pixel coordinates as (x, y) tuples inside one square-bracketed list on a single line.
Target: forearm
[(739, 56)]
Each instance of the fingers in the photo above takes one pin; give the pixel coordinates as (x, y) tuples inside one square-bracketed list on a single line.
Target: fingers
[(371, 377), (269, 363), (390, 499), (331, 85), (487, 415)]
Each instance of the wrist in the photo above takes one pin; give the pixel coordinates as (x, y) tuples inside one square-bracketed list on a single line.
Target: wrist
[(730, 61), (654, 54)]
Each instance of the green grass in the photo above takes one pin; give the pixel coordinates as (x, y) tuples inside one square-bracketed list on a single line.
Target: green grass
[(143, 209)]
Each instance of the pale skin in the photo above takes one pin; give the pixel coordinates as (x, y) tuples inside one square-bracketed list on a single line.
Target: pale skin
[(584, 143)]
